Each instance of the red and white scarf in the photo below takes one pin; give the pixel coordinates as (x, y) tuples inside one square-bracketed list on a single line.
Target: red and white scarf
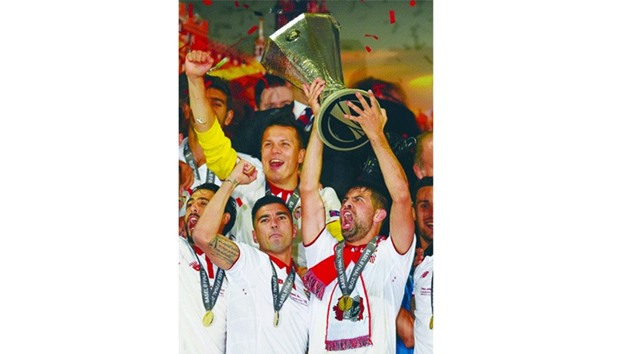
[(345, 329)]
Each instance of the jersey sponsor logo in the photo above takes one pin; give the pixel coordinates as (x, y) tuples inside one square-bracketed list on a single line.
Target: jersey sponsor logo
[(298, 298), (425, 291)]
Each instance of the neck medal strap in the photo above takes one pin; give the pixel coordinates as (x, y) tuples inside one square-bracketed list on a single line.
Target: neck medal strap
[(209, 293), (346, 287), (210, 176), (189, 158), (280, 296), (292, 200)]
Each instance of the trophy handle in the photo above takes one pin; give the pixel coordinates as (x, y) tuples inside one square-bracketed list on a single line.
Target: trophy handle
[(336, 131)]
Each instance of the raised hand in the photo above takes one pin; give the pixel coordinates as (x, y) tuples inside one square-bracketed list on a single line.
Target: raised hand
[(197, 63), (243, 173), (312, 92), (371, 118)]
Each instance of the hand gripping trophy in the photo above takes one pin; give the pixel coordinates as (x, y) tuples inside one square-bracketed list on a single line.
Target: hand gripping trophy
[(309, 47)]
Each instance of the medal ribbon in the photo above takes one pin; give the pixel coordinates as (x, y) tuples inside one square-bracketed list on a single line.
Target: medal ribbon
[(280, 296), (210, 176), (209, 293), (292, 200), (346, 287), (189, 158)]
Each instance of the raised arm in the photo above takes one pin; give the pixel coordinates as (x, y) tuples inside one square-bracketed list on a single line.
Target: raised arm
[(312, 209), (197, 64), (218, 151), (372, 120), (221, 250)]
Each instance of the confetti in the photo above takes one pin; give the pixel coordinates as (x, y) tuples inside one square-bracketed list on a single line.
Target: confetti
[(392, 17), (372, 35), (207, 2), (191, 10), (368, 49), (412, 3), (246, 6), (236, 3), (253, 29)]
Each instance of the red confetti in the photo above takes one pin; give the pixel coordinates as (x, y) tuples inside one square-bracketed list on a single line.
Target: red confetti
[(412, 3), (253, 29), (246, 6), (236, 3), (368, 49), (207, 2), (372, 35), (392, 17), (191, 10)]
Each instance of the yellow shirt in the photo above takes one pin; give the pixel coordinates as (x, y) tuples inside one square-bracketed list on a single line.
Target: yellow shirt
[(218, 150)]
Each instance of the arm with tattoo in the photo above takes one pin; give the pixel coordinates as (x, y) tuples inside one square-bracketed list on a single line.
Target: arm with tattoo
[(222, 251)]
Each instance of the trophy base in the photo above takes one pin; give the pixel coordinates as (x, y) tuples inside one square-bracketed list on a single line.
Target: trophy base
[(336, 131)]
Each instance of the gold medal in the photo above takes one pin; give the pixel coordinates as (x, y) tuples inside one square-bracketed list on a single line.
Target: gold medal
[(207, 319), (345, 302), (276, 318), (431, 324)]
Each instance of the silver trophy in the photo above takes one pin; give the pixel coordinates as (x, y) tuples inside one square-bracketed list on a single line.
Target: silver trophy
[(309, 47)]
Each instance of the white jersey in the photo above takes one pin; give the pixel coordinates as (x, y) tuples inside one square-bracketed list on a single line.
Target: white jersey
[(251, 313), (247, 195), (422, 289), (193, 336), (381, 285)]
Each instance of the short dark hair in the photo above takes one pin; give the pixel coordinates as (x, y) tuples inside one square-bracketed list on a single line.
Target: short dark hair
[(268, 199), (220, 84), (419, 184), (284, 118), (230, 208), (378, 195), (265, 82)]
